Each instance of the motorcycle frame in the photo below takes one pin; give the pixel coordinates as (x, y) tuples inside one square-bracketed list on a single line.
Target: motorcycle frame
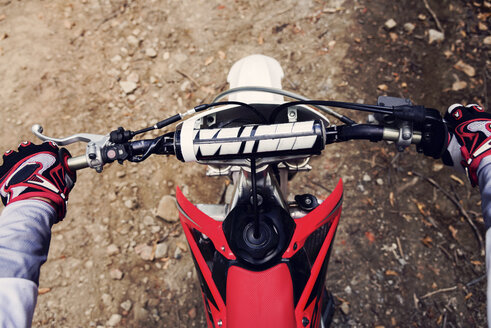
[(289, 291)]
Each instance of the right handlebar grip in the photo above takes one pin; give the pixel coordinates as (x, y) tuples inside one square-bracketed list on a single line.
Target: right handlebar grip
[(77, 163), (246, 141)]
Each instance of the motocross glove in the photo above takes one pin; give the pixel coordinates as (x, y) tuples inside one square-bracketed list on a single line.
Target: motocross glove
[(470, 139), (37, 171)]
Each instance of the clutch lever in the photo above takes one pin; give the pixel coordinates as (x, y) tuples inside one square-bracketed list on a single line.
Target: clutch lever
[(95, 142)]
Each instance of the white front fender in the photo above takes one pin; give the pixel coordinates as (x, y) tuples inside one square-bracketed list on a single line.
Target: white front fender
[(256, 71)]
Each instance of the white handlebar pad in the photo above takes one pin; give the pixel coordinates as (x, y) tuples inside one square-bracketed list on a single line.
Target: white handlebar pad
[(245, 141)]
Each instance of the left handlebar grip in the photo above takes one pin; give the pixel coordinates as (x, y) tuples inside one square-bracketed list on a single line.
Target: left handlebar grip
[(77, 163)]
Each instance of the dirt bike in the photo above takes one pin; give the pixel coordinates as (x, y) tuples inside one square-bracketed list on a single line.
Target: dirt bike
[(262, 259)]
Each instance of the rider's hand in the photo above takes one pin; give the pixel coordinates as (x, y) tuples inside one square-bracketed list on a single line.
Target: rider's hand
[(37, 172), (470, 142)]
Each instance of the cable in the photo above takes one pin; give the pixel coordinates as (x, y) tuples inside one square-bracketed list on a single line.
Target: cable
[(289, 94), (340, 104)]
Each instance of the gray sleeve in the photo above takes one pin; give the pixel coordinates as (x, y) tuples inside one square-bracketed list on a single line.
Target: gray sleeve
[(25, 234), (17, 302), (484, 176)]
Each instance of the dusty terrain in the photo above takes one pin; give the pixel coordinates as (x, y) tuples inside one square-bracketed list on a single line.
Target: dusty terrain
[(405, 254)]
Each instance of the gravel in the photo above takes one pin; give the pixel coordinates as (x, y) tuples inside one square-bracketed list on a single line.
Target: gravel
[(128, 86), (167, 209), (114, 320), (112, 250), (435, 36)]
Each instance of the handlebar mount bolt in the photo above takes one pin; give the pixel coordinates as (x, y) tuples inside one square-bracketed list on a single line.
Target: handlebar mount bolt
[(406, 135)]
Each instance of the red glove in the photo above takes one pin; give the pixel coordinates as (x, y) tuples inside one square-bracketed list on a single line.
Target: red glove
[(37, 171), (470, 127)]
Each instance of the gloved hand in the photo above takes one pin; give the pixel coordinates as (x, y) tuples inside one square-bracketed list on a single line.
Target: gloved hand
[(470, 142), (37, 171)]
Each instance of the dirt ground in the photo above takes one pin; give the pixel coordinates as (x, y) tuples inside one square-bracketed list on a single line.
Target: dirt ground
[(405, 253)]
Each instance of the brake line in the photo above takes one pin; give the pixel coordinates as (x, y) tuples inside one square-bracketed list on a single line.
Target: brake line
[(288, 94)]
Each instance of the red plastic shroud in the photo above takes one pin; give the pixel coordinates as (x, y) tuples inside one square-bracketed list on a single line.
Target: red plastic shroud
[(264, 298)]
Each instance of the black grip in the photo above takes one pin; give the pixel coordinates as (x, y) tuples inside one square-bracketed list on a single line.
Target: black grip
[(360, 131)]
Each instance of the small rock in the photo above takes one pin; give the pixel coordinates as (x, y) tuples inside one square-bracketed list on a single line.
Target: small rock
[(166, 55), (112, 250), (151, 52), (383, 87), (348, 290), (133, 77), (106, 299), (459, 85), (345, 308), (192, 313), (140, 313), (482, 26), (466, 68), (437, 167), (89, 264), (183, 246), (366, 178), (114, 320), (120, 174), (68, 24), (422, 17), (116, 274), (161, 250), (167, 209), (177, 253), (148, 220), (145, 252), (185, 85), (155, 229), (435, 36), (131, 203), (116, 59), (128, 86), (126, 305), (132, 40), (390, 24), (380, 181), (131, 98), (487, 40), (409, 27)]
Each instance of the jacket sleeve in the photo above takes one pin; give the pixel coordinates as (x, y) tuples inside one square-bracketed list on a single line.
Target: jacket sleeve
[(484, 175), (25, 234)]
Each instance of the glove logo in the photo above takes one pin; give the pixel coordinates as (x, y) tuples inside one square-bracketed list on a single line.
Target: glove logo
[(475, 128), (457, 114)]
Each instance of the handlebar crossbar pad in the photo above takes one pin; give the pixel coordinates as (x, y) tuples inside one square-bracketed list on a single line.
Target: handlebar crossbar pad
[(283, 139)]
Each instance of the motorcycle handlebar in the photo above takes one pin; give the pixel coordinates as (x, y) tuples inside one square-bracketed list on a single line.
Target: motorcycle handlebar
[(304, 138)]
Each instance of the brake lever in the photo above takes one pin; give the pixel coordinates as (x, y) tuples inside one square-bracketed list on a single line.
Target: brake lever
[(95, 142)]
